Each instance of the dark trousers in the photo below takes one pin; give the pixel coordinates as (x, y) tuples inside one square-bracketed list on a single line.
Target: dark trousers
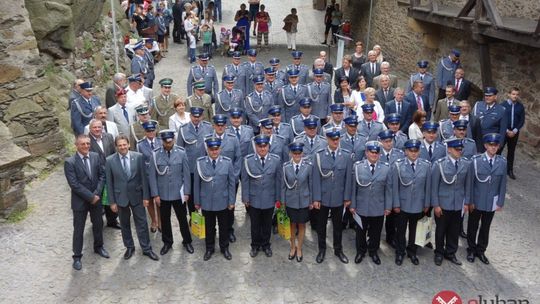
[(511, 154), (110, 215), (337, 226), (191, 204), (402, 220), (141, 226), (230, 221), (210, 227), (372, 227), (390, 226), (335, 29), (261, 227), (314, 218), (176, 34), (166, 228), (482, 219), (447, 232), (79, 221)]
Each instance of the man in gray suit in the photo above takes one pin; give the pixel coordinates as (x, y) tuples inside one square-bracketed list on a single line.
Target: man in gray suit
[(122, 114), (128, 193), (261, 186), (331, 192), (215, 182), (411, 193), (371, 68), (169, 179), (385, 93), (86, 177)]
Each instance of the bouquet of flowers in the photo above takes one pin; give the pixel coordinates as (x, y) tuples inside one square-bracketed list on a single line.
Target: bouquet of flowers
[(283, 220)]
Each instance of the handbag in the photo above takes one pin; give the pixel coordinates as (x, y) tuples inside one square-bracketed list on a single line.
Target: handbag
[(104, 196), (424, 233), (197, 225)]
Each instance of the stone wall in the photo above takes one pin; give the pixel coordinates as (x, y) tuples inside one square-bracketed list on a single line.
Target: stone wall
[(405, 41)]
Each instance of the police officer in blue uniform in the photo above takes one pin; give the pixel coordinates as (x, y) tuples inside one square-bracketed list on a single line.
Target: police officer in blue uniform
[(297, 121), (446, 68), (168, 173), (393, 124), (191, 138), (446, 129), (491, 117), (258, 103), (411, 193), (214, 193), (298, 65), (203, 72), (488, 171), (234, 69), (320, 92), (149, 57), (351, 140), (371, 197), (251, 69), (312, 141), (331, 192), (82, 108), (368, 127), (261, 189), (428, 80), (280, 128), (431, 149), (229, 97), (278, 143), (229, 144), (291, 94), (336, 121), (280, 74), (139, 65), (271, 84), (450, 190), (460, 131)]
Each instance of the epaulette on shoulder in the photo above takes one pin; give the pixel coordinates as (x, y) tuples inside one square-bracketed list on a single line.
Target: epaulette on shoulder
[(252, 155), (320, 150), (476, 156), (443, 120), (280, 136), (286, 124), (400, 160), (273, 155), (307, 161), (140, 140), (501, 157), (201, 158), (206, 122), (440, 160), (225, 158), (321, 137), (299, 137), (156, 149), (424, 161), (247, 126), (179, 148), (469, 140), (346, 151), (230, 135), (385, 164)]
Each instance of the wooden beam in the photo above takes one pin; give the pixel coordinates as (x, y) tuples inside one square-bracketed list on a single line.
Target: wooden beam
[(537, 32), (479, 11), (493, 13), (467, 8), (485, 64)]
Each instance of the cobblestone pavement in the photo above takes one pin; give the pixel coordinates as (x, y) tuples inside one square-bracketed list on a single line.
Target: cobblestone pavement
[(36, 263)]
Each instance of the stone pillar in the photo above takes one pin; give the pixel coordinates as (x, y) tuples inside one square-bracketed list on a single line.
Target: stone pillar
[(12, 183)]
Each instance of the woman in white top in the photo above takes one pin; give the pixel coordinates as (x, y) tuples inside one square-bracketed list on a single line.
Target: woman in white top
[(179, 118), (369, 95), (415, 129), (357, 96)]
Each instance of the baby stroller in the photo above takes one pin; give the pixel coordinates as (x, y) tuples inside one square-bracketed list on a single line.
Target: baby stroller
[(237, 40), (225, 41)]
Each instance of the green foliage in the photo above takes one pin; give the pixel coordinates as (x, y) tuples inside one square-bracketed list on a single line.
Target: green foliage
[(18, 216)]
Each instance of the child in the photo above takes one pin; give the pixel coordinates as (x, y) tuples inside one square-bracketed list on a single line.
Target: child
[(206, 37), (225, 40)]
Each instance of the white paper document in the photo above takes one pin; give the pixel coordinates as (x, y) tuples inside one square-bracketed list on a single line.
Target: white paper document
[(495, 200), (358, 220)]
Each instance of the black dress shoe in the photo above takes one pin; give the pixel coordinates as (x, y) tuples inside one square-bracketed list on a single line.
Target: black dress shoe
[(453, 260), (463, 234), (320, 256), (291, 257), (399, 260), (102, 252), (470, 256), (414, 259), (232, 237), (342, 257), (151, 255), (77, 265), (511, 174), (114, 225), (227, 254), (208, 255), (189, 248), (268, 252), (129, 253), (299, 258), (375, 258), (253, 253), (483, 258), (165, 249), (438, 260), (358, 258)]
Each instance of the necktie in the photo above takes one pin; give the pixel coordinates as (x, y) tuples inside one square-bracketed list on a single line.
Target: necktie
[(294, 90), (457, 84), (512, 118), (419, 102), (87, 165), (412, 166), (333, 155), (422, 77), (369, 125), (491, 162), (430, 151), (277, 130), (262, 161), (388, 157), (271, 85), (456, 164), (204, 70), (214, 163), (352, 141), (125, 114), (398, 107), (230, 95), (105, 126), (297, 169), (167, 98), (449, 102), (236, 69), (372, 169), (372, 68), (152, 145), (238, 133), (311, 142), (169, 154), (385, 94), (319, 86), (197, 129), (260, 96), (125, 164)]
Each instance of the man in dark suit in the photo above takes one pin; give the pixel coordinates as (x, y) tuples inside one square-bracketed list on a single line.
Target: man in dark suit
[(346, 69), (418, 100), (516, 119), (177, 10), (371, 69), (128, 193), (385, 93), (103, 144), (119, 83), (86, 176), (402, 107), (462, 85), (328, 66)]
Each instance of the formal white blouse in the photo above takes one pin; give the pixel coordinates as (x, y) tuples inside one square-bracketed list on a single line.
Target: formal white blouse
[(175, 121), (415, 132)]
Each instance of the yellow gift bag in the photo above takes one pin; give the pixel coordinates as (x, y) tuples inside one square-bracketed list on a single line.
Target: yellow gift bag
[(197, 225), (284, 225)]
